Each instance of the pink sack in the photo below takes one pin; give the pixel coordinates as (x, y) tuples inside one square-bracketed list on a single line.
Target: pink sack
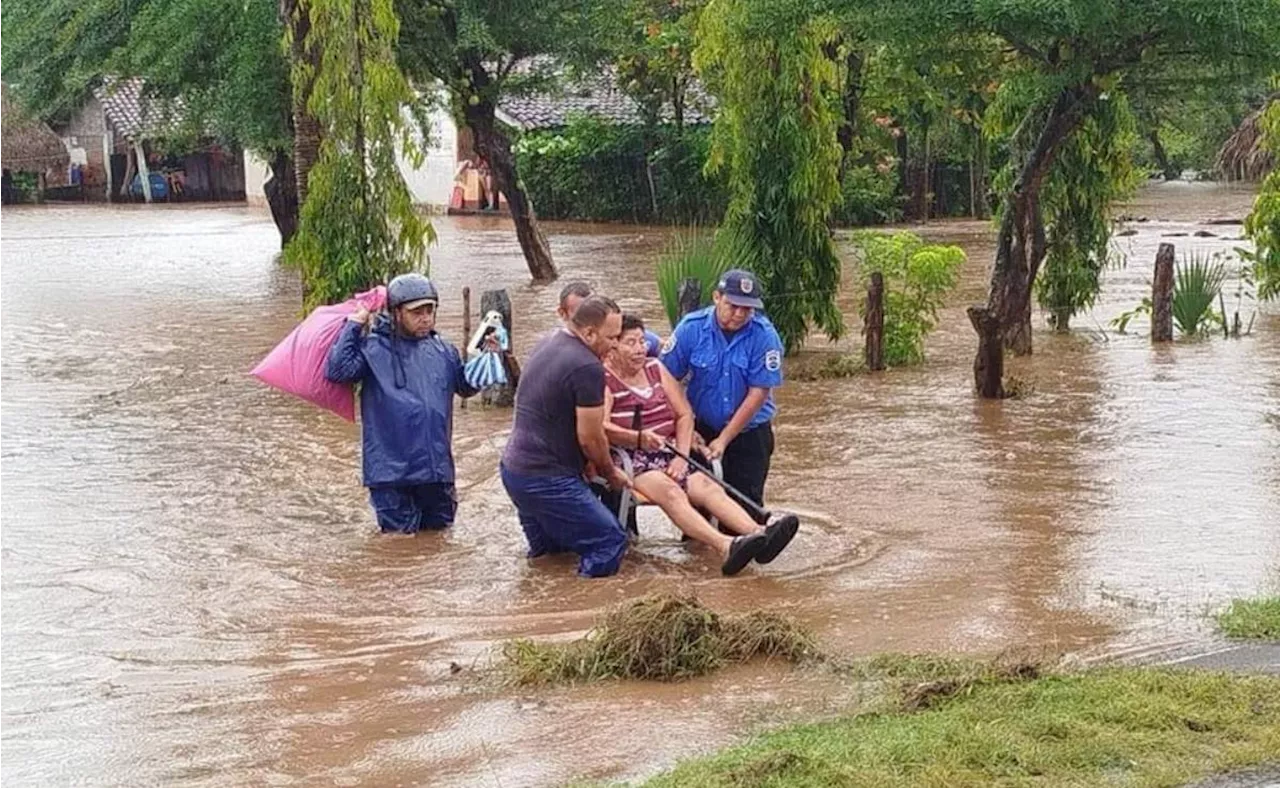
[(296, 365)]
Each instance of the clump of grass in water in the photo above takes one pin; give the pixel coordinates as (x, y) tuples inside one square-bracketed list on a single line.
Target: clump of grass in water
[(1257, 619), (662, 637)]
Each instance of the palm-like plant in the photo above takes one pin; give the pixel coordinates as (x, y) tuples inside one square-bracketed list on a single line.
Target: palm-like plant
[(695, 254), (1197, 283)]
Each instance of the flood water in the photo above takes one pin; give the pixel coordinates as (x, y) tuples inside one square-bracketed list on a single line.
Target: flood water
[(194, 591)]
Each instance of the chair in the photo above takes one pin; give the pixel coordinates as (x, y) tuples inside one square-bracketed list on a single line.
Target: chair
[(629, 499)]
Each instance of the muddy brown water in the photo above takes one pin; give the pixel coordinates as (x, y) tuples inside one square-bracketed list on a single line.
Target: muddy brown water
[(194, 592)]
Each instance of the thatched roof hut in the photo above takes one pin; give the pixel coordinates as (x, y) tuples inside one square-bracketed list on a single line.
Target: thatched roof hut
[(1243, 157), (28, 144)]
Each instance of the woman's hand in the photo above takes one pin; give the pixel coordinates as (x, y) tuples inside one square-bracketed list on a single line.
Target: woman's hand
[(678, 469), (651, 441)]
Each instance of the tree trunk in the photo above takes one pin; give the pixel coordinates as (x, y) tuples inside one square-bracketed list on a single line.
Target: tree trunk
[(988, 365), (923, 182), (1020, 245), (1170, 172), (904, 161), (494, 146), (307, 133), (282, 196), (851, 101)]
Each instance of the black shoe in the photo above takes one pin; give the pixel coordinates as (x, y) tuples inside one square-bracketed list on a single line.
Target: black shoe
[(778, 535), (743, 549)]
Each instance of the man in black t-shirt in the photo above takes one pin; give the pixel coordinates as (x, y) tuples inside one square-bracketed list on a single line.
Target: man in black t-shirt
[(559, 425)]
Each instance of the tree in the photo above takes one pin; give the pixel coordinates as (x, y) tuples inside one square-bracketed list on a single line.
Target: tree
[(358, 224), (1094, 171), (1263, 222), (654, 58), (1074, 54), (775, 135), (480, 52), (222, 57)]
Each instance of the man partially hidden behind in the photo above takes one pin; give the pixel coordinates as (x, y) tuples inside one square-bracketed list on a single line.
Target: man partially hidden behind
[(559, 425), (575, 292), (732, 356), (408, 376)]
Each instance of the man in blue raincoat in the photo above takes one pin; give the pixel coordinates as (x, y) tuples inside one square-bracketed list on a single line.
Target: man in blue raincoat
[(409, 375)]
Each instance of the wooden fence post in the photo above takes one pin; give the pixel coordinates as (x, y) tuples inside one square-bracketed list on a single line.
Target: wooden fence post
[(466, 330), (689, 297), (499, 301), (1162, 296), (873, 322)]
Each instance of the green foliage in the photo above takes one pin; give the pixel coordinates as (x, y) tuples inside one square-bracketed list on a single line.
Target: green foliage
[(654, 58), (1197, 284), (599, 171), (775, 136), (481, 51), (222, 57), (692, 254), (1257, 619), (1263, 223), (917, 279), (358, 225), (1122, 321), (1093, 172), (868, 196)]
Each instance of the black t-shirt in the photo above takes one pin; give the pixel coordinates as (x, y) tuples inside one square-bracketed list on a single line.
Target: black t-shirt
[(560, 376)]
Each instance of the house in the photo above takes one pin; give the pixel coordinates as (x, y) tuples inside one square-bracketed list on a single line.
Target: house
[(453, 178), (115, 139), (29, 146)]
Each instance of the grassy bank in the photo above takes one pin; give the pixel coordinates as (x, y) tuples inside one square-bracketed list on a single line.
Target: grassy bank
[(1128, 726), (1256, 619)]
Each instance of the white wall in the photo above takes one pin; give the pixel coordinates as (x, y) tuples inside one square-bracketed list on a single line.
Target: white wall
[(256, 173), (431, 184)]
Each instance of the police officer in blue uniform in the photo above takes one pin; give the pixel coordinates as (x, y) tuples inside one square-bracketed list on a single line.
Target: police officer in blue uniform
[(732, 356)]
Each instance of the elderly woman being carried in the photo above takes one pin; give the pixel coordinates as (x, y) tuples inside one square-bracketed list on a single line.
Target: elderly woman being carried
[(635, 384)]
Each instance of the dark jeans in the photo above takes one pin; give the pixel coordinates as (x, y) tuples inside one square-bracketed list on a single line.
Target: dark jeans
[(414, 507), (746, 458), (559, 513)]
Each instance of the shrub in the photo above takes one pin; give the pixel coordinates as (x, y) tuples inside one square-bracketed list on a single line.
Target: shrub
[(867, 197), (597, 171), (917, 278)]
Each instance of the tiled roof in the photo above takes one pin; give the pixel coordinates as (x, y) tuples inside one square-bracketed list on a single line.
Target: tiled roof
[(597, 95), (134, 115)]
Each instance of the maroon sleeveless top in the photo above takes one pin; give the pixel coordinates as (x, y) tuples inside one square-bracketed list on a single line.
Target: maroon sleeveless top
[(656, 412)]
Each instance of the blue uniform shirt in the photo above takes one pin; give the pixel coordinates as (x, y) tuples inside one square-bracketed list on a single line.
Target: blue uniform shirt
[(721, 369)]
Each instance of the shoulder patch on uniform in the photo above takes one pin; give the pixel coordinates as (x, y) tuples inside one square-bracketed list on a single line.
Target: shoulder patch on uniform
[(669, 345), (773, 360)]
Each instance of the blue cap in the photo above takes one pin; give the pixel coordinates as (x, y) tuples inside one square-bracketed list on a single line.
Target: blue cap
[(740, 288)]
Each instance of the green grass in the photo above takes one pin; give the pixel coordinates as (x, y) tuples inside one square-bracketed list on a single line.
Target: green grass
[(1121, 726), (1256, 619)]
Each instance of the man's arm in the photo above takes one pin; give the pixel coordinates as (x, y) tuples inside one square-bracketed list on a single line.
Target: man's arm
[(755, 400), (594, 443), (346, 362), (461, 385)]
